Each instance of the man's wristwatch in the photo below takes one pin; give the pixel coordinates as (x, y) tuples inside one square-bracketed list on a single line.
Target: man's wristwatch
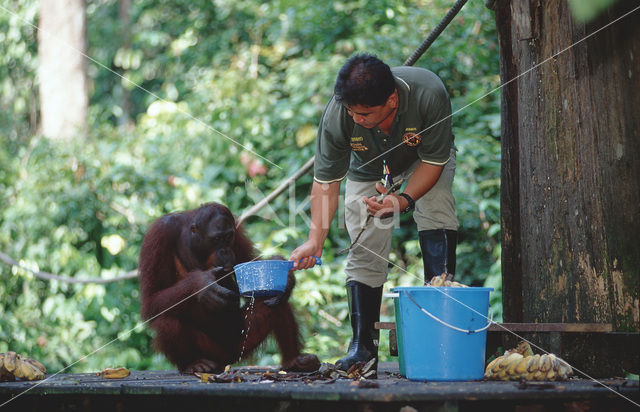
[(412, 204)]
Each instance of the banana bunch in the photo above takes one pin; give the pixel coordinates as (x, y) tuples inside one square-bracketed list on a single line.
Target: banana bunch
[(520, 363), (14, 365), (445, 280)]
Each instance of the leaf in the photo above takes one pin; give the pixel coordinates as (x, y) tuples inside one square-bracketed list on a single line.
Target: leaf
[(586, 10)]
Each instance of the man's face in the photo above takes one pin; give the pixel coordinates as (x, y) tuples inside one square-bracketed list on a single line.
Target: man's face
[(371, 116)]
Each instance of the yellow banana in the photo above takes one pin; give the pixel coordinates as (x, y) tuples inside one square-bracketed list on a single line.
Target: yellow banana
[(37, 364), (513, 357), (38, 373), (551, 375), (533, 363), (564, 369), (19, 371), (25, 370), (437, 281), (533, 366), (502, 375), (114, 373), (561, 374), (523, 365), (492, 363), (511, 368), (512, 361), (548, 363), (544, 365), (10, 361), (539, 376), (487, 372), (441, 280), (498, 365), (566, 365), (524, 348)]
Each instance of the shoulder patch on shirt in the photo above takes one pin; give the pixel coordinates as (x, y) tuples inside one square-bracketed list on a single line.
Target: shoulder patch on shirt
[(411, 139)]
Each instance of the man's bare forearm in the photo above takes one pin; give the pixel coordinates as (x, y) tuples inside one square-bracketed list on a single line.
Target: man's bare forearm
[(324, 203)]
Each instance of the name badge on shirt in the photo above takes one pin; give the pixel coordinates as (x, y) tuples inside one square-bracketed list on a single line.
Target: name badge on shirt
[(357, 145)]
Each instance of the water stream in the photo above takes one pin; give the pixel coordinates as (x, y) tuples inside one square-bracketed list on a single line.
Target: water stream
[(246, 335)]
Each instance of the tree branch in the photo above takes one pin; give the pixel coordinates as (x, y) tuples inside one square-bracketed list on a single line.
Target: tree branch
[(50, 276), (255, 208)]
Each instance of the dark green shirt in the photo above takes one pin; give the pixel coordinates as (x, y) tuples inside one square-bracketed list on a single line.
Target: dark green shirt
[(421, 130)]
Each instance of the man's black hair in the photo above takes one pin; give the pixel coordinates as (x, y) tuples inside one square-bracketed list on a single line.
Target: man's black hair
[(364, 80)]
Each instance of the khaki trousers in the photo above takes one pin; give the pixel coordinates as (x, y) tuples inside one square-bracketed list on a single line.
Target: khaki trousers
[(368, 260)]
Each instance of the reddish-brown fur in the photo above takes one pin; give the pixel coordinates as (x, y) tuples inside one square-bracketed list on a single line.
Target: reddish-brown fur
[(202, 328)]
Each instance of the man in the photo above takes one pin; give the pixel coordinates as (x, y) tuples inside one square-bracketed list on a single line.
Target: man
[(391, 124)]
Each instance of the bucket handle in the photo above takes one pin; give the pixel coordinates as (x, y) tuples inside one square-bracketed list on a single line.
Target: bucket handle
[(448, 325)]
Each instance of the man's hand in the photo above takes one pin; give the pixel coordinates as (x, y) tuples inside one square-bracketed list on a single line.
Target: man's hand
[(303, 255), (389, 205)]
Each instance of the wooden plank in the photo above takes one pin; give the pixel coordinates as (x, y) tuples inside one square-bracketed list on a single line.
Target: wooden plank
[(385, 325), (533, 327), (552, 327)]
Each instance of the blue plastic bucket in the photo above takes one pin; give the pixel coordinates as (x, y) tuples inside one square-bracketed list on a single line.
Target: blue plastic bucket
[(263, 278), (399, 340), (442, 332)]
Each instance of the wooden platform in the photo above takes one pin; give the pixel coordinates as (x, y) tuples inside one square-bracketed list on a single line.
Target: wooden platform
[(169, 391)]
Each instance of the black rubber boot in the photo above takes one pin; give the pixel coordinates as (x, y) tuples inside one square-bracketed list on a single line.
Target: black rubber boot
[(438, 252), (364, 309)]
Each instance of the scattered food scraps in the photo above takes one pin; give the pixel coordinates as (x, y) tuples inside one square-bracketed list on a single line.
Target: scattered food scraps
[(326, 374)]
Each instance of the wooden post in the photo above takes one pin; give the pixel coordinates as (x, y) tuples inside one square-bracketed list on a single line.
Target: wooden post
[(571, 164)]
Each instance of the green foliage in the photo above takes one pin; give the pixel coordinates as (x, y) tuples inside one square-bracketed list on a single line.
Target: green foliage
[(219, 101), (586, 10)]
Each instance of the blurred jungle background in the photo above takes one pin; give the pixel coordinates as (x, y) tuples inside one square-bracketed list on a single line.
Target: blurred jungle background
[(258, 72)]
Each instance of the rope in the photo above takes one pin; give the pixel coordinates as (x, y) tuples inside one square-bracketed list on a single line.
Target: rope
[(435, 33)]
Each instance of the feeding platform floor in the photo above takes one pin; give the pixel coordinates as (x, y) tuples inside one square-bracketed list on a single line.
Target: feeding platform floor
[(170, 391)]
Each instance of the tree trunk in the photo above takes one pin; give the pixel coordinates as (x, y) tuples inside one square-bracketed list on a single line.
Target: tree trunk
[(63, 83), (124, 13), (570, 196)]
